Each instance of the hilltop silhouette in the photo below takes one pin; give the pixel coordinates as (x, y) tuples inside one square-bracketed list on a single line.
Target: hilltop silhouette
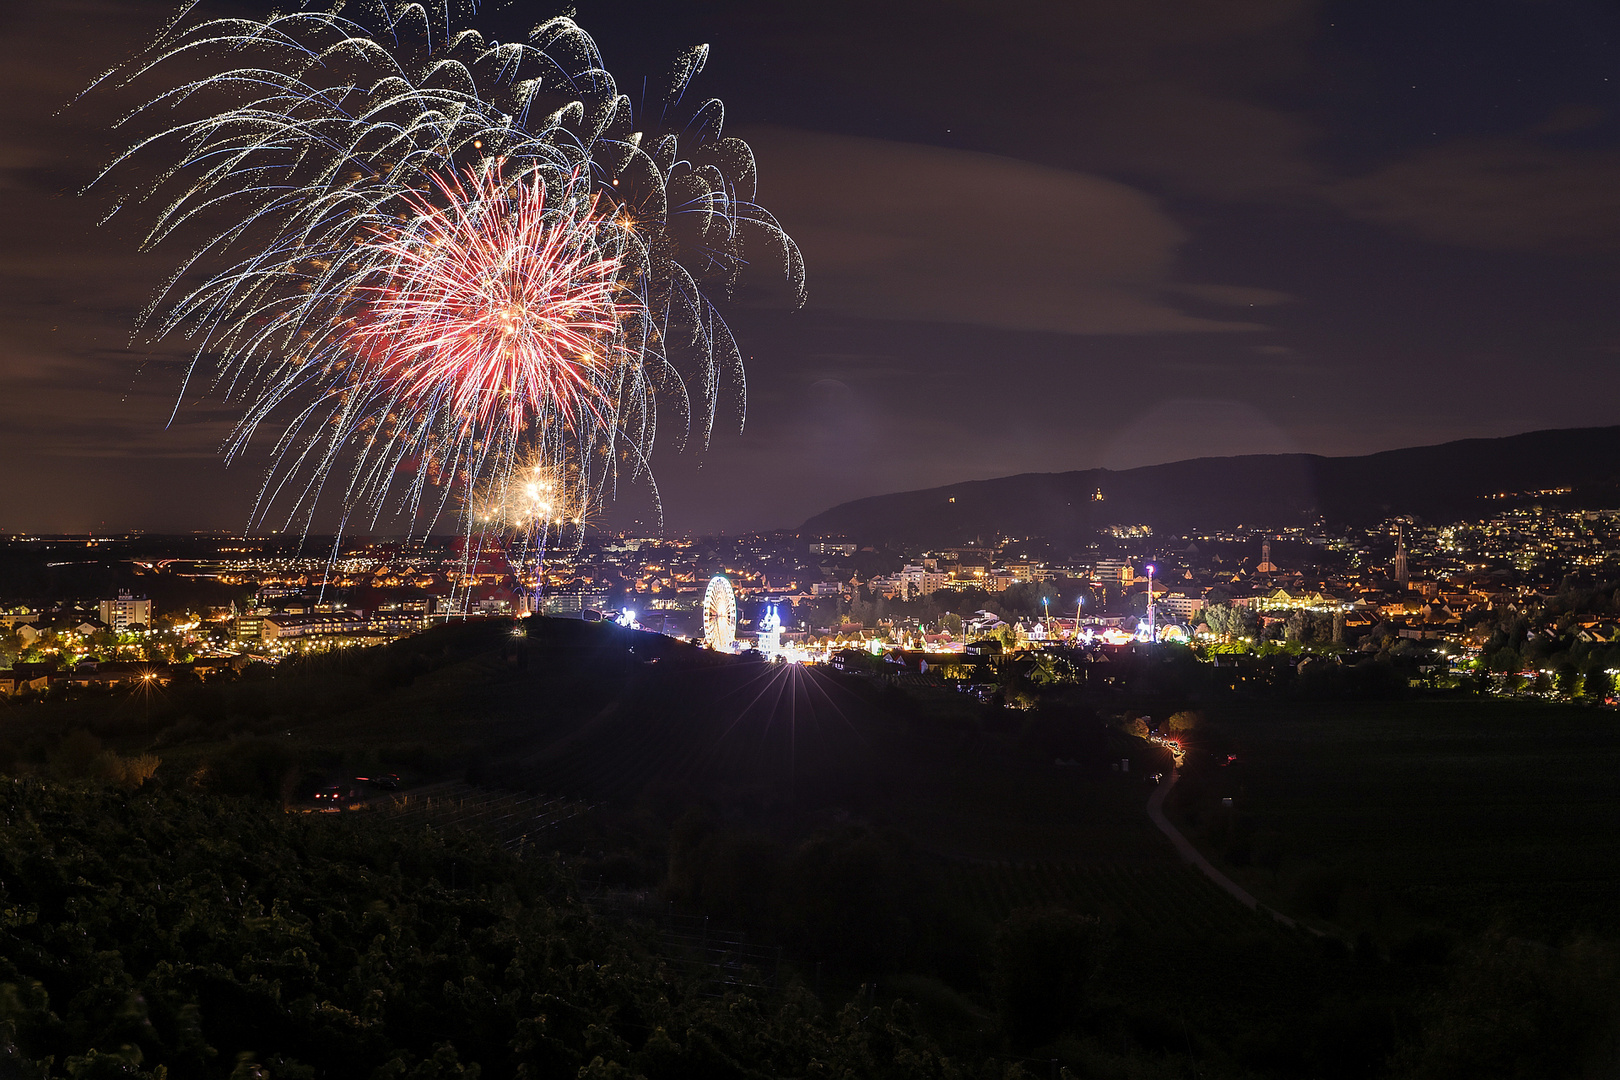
[(1448, 482)]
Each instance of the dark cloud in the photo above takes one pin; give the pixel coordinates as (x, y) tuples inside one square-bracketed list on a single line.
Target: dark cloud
[(85, 426), (1233, 102), (1181, 92), (902, 231), (1509, 194)]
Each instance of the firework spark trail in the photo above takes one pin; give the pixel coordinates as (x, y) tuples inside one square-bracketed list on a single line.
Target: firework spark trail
[(502, 316), (445, 258)]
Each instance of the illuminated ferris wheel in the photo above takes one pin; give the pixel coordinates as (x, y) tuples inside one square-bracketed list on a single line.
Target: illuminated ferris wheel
[(719, 614)]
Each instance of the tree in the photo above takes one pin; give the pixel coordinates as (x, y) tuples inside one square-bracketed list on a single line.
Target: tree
[(1504, 659), (1231, 622), (1182, 722), (1599, 683)]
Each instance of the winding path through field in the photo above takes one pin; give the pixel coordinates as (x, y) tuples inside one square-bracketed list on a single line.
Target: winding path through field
[(1155, 809)]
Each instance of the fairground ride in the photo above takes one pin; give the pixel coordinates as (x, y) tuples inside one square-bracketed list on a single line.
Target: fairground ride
[(719, 614)]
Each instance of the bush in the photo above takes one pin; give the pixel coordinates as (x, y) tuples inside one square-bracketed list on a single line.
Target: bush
[(1044, 958), (844, 896), (182, 935), (1514, 1009), (74, 755), (258, 768), (131, 772)]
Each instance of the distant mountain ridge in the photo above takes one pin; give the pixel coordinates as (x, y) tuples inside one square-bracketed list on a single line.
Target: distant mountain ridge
[(1448, 482)]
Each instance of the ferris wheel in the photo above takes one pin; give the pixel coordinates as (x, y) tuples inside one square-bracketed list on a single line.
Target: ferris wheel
[(719, 614)]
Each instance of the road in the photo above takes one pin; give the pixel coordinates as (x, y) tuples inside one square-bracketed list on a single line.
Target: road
[(1155, 809)]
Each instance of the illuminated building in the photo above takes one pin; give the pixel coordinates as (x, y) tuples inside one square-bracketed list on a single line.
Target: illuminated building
[(126, 612), (284, 627), (1112, 571), (573, 602), (770, 633), (17, 617)]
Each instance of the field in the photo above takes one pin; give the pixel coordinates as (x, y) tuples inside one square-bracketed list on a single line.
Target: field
[(1447, 812), (996, 803), (518, 822), (1169, 896)]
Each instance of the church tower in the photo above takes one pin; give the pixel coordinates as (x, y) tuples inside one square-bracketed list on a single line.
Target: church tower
[(1400, 556), (1266, 565)]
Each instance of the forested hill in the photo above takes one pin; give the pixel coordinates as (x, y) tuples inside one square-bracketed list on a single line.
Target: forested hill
[(1448, 482)]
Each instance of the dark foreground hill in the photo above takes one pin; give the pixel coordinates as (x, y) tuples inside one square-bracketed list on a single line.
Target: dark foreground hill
[(992, 868), (1448, 482), (168, 935)]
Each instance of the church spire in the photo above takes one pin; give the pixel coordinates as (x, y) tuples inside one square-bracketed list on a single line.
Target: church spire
[(1266, 565)]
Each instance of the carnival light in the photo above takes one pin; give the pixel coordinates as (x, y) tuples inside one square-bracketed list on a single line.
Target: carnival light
[(1150, 569)]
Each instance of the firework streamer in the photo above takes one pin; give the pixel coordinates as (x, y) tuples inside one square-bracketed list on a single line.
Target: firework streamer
[(429, 267)]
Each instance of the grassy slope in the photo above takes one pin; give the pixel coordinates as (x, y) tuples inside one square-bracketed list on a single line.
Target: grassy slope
[(1420, 812), (1454, 812)]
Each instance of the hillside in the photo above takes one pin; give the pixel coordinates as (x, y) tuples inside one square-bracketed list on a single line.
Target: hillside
[(593, 823), (1447, 482)]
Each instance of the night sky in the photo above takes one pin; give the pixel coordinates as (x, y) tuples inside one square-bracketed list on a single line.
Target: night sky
[(1039, 237)]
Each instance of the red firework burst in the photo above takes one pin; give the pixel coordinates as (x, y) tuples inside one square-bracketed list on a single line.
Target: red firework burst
[(497, 312)]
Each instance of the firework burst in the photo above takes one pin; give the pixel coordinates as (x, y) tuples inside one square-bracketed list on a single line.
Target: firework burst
[(498, 314), (536, 507), (423, 261), (495, 329)]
